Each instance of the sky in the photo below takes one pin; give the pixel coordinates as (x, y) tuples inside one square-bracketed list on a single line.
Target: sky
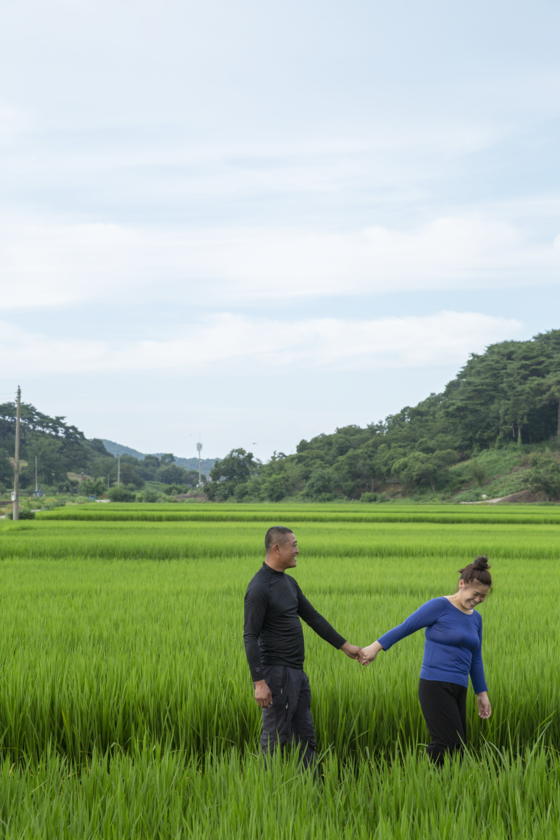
[(256, 222)]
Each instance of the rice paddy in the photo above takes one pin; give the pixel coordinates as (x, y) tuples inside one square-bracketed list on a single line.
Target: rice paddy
[(126, 707)]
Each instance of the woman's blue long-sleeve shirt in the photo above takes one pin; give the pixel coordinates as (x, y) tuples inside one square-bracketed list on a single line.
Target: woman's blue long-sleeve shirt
[(453, 647)]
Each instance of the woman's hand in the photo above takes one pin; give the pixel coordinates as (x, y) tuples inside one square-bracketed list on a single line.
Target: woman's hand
[(369, 653), (484, 707)]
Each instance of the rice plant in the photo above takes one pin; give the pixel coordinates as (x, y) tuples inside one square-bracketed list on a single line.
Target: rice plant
[(126, 707), (438, 514)]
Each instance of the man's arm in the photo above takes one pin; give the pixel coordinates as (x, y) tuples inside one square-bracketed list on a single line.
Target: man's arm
[(255, 610), (322, 627)]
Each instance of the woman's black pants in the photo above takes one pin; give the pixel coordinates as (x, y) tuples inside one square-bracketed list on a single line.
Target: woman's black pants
[(444, 706)]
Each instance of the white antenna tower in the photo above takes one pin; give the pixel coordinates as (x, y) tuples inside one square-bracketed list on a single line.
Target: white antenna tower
[(199, 449)]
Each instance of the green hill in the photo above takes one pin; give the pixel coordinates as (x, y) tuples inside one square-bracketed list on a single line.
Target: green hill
[(67, 461), (475, 438), (493, 431)]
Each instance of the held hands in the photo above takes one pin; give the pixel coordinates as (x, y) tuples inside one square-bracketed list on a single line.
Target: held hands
[(353, 651), (263, 695), (369, 653), (484, 707)]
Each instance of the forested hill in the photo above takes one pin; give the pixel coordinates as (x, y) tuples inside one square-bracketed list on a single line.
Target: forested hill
[(508, 395), (66, 459), (501, 406)]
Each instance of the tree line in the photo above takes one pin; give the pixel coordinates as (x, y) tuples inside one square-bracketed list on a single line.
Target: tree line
[(62, 449), (510, 394)]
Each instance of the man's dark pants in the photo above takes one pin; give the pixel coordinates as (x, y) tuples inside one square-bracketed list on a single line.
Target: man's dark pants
[(288, 720)]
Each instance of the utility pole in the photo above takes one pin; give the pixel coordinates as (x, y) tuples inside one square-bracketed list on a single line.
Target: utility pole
[(36, 479), (199, 448), (118, 470), (16, 465)]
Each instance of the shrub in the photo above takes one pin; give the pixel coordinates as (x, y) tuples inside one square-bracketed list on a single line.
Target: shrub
[(93, 487), (23, 514), (478, 472), (120, 493), (148, 495), (368, 497), (544, 475)]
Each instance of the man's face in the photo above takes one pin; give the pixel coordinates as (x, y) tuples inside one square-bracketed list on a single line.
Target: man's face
[(287, 552)]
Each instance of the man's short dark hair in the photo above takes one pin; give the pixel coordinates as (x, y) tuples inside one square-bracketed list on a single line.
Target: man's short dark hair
[(276, 534)]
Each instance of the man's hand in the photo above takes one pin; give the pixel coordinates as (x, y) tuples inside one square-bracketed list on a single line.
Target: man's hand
[(353, 651), (263, 694), (484, 707)]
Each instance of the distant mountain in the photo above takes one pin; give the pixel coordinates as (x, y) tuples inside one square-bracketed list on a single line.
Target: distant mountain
[(206, 464), (119, 449)]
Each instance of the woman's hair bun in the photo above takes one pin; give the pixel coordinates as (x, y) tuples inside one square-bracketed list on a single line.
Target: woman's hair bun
[(480, 564), (477, 570)]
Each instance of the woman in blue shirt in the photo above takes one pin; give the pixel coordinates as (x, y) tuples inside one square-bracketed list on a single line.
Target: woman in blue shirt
[(452, 652)]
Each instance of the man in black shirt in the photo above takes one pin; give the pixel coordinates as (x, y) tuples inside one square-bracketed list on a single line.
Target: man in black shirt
[(274, 604)]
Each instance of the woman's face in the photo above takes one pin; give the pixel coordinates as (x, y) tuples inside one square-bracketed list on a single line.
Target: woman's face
[(472, 594)]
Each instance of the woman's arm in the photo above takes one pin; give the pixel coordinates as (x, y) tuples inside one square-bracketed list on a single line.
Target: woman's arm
[(427, 614), (477, 667), (478, 680)]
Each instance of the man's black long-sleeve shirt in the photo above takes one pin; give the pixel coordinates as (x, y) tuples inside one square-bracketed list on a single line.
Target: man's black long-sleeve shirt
[(274, 604)]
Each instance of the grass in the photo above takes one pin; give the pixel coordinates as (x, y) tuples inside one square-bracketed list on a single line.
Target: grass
[(156, 794), (323, 513), (126, 708), (220, 541)]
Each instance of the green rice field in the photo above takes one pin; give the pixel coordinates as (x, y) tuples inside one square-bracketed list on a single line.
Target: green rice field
[(127, 709)]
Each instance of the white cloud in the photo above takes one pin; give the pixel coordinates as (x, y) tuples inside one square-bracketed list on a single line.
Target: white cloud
[(50, 265), (14, 123), (229, 343), (57, 265)]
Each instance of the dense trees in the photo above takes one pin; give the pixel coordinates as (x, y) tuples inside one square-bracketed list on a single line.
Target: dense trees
[(62, 449), (235, 469), (509, 394), (544, 475), (59, 447), (512, 392), (6, 469)]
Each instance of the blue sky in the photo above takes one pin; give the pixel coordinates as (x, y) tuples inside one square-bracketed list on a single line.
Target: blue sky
[(260, 221)]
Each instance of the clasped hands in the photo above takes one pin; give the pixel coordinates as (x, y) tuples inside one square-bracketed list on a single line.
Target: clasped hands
[(263, 695), (363, 655)]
